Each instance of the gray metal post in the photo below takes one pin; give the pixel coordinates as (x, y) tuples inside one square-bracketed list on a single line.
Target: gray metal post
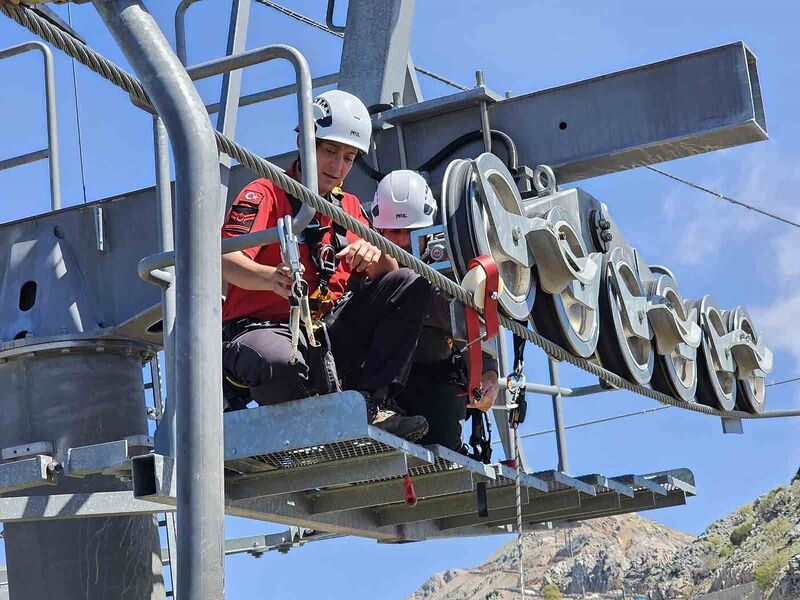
[(558, 417), (165, 434), (52, 118), (375, 50), (485, 128), (229, 96), (198, 351)]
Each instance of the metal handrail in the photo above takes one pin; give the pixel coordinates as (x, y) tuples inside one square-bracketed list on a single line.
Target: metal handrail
[(150, 266), (51, 152), (329, 18)]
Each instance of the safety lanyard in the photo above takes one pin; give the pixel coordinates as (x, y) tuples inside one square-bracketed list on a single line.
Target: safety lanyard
[(491, 320)]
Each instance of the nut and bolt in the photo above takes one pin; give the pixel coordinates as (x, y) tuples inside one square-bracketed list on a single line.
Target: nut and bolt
[(516, 233), (606, 236)]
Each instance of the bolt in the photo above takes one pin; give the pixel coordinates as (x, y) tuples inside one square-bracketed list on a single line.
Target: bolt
[(515, 233), (604, 224), (641, 316), (727, 352), (606, 236), (338, 434), (233, 451), (285, 442), (562, 235), (494, 296)]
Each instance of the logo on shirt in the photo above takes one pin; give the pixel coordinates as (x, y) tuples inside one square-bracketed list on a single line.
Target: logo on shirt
[(240, 219)]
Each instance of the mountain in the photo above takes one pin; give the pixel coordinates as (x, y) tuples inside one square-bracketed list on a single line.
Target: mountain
[(760, 542)]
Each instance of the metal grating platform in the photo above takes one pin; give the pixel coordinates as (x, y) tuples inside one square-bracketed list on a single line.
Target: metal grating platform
[(344, 476)]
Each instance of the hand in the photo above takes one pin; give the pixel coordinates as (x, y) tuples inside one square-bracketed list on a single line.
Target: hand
[(279, 280), (361, 256), (489, 391)]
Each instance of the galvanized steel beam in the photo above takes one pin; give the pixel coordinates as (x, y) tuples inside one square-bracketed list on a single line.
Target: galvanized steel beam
[(198, 388)]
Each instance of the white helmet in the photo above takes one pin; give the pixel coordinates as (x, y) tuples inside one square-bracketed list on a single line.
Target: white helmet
[(341, 117), (403, 200)]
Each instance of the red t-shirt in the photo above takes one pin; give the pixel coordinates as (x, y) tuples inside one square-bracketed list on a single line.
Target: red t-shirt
[(257, 207)]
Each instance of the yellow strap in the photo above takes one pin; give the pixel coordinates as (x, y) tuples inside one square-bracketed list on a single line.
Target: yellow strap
[(236, 383)]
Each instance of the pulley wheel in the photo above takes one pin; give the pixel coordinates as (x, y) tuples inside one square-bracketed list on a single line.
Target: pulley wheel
[(674, 374), (751, 388), (571, 318), (716, 384), (623, 347), (469, 233)]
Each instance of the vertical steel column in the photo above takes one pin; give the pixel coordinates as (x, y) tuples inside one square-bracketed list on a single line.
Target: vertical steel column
[(165, 434), (558, 417), (485, 128), (229, 96), (198, 351), (401, 140), (375, 50)]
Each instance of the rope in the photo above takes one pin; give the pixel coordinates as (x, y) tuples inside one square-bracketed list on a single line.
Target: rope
[(77, 112), (724, 197), (322, 27), (518, 499), (33, 22)]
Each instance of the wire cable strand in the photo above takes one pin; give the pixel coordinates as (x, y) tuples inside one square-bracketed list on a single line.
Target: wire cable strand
[(99, 64), (322, 27), (77, 113), (792, 380), (724, 197)]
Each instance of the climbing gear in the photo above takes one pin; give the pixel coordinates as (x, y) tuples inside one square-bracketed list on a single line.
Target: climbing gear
[(341, 117), (480, 440), (403, 200), (515, 382)]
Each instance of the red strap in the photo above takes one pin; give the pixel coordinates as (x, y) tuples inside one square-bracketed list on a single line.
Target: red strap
[(474, 354), (409, 493)]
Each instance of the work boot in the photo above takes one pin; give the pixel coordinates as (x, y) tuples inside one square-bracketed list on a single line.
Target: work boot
[(408, 428)]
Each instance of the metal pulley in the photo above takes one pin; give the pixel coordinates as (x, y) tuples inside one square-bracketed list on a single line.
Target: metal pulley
[(677, 336), (482, 214), (566, 309), (753, 360), (716, 379), (624, 346)]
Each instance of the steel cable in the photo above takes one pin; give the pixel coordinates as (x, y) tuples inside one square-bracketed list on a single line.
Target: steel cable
[(321, 26), (760, 211), (26, 17)]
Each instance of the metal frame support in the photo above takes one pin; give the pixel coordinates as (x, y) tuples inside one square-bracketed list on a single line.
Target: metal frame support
[(165, 432), (375, 50), (231, 90), (199, 389), (51, 152), (329, 18), (558, 418)]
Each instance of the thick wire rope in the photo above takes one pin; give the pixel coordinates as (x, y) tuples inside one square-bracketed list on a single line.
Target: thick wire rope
[(724, 197), (322, 27), (116, 75), (518, 499)]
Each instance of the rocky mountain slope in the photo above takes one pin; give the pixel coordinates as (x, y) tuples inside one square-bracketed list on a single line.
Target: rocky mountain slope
[(760, 542)]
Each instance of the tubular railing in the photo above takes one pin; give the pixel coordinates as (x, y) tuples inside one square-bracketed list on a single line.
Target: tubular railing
[(51, 151)]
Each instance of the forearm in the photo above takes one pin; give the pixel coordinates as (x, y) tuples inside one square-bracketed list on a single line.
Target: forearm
[(245, 273)]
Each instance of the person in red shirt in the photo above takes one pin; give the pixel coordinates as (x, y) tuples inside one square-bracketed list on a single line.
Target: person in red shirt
[(377, 307)]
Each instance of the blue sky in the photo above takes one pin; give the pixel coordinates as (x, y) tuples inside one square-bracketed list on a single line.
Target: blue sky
[(739, 257)]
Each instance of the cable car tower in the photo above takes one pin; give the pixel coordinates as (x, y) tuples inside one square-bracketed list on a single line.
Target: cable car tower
[(91, 293)]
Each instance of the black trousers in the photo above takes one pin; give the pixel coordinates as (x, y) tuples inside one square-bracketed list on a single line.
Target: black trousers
[(373, 337), (443, 403)]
